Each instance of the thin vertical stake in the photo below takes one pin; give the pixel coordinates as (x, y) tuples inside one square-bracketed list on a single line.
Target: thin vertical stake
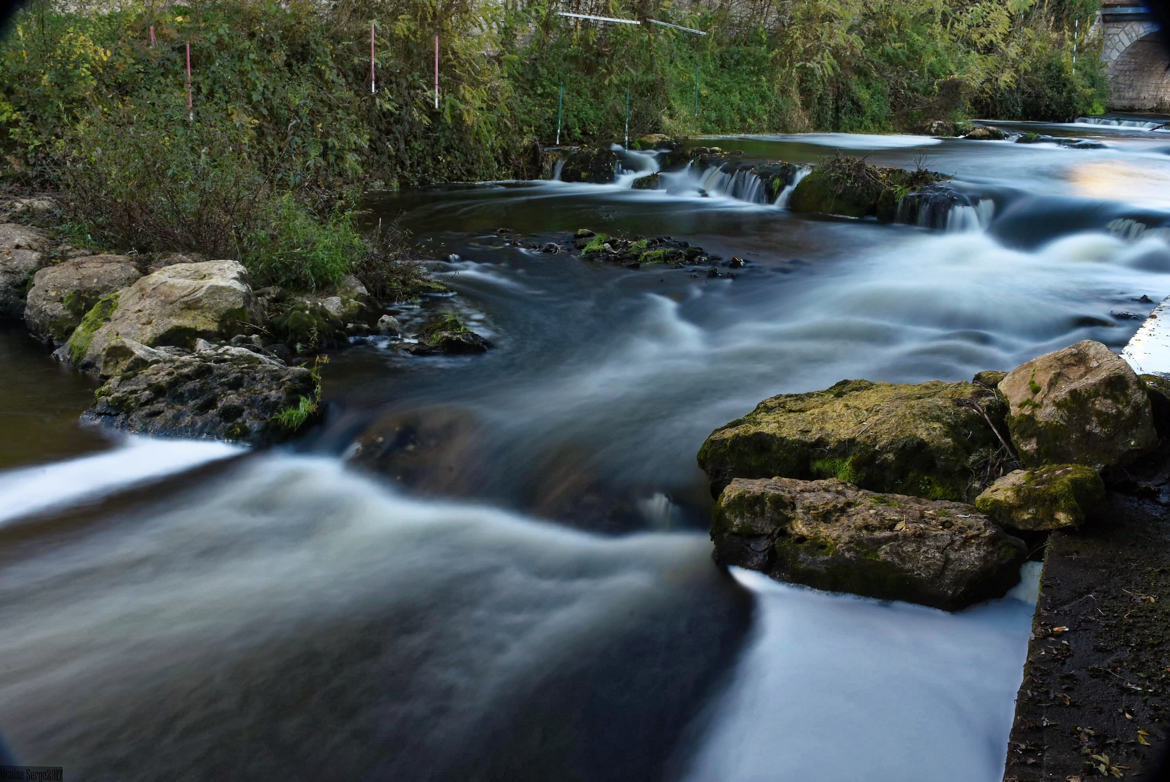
[(190, 100), (560, 112), (436, 72), (372, 87), (1076, 34), (696, 90), (152, 36), (627, 118)]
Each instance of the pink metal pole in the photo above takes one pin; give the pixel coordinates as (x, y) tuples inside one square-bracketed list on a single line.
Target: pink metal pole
[(436, 71), (372, 58), (152, 36), (190, 100)]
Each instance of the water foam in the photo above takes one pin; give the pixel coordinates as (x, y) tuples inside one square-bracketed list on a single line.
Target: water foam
[(139, 460)]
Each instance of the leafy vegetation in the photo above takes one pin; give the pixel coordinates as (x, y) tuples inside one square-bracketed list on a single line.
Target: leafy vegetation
[(284, 134)]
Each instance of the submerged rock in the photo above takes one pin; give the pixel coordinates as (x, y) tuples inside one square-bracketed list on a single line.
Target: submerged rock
[(21, 255), (62, 294), (172, 306), (436, 450), (637, 252), (830, 535), (1043, 499), (932, 440), (986, 133), (1079, 405), (449, 335), (228, 393)]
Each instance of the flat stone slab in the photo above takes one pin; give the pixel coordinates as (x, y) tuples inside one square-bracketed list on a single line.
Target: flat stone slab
[(1148, 351), (1096, 688)]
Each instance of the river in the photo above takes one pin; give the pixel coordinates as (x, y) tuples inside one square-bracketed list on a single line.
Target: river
[(515, 582)]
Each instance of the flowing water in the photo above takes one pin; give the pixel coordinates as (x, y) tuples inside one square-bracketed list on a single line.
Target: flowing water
[(496, 567)]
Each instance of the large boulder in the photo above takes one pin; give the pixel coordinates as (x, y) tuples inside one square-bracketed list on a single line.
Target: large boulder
[(21, 254), (1079, 405), (173, 306), (830, 535), (62, 294), (933, 440), (227, 393), (597, 165), (1043, 499), (849, 186)]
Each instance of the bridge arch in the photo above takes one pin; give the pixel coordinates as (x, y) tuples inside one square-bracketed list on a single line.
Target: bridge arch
[(1139, 72)]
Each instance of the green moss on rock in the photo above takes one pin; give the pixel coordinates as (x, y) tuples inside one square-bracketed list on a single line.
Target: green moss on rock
[(97, 316), (1044, 498), (931, 440)]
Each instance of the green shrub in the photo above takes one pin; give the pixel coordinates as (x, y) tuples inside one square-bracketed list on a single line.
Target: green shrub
[(294, 249)]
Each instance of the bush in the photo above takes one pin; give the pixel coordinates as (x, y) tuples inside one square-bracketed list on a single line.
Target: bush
[(293, 249)]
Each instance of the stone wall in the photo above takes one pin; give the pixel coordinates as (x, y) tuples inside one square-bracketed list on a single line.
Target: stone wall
[(1138, 75)]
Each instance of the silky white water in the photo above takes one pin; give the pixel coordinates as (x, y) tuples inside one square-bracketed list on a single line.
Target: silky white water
[(178, 610)]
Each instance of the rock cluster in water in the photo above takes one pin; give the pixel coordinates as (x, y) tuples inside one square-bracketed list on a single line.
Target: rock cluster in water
[(186, 346), (923, 492), (842, 185)]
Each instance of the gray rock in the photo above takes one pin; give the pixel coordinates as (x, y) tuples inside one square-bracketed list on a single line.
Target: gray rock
[(831, 535), (172, 306), (228, 393), (389, 325), (62, 294), (1079, 405), (21, 255), (1044, 498)]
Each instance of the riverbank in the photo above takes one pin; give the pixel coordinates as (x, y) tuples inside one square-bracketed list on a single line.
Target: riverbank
[(248, 130)]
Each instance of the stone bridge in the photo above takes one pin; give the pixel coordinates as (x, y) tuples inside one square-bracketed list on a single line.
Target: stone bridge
[(1138, 63)]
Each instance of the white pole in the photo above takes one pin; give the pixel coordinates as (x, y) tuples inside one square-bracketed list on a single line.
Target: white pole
[(676, 27), (599, 18)]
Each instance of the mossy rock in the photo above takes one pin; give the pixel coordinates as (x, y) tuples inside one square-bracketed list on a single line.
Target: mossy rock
[(1043, 499), (61, 294), (831, 535), (1158, 391), (96, 317), (650, 182), (850, 187), (596, 165), (1079, 405), (985, 133), (448, 334), (821, 192), (306, 326), (930, 440)]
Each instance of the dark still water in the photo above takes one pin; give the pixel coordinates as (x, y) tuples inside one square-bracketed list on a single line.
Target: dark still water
[(496, 567)]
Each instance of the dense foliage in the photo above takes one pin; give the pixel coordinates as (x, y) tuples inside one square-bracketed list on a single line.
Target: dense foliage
[(284, 132)]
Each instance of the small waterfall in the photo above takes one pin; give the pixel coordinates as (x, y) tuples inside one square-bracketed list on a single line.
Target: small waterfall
[(1135, 230), (557, 168), (634, 165), (1130, 123), (962, 218), (941, 208), (986, 210), (740, 183), (747, 186), (782, 199)]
